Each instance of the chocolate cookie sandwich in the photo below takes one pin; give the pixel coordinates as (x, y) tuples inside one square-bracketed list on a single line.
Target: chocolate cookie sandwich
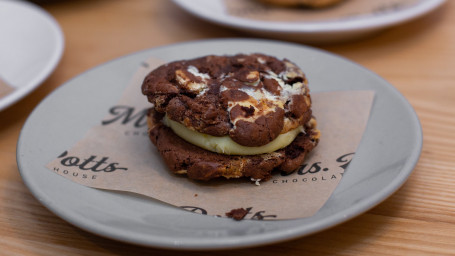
[(230, 116)]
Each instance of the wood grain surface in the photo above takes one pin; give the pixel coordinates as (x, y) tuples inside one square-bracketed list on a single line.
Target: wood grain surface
[(418, 58)]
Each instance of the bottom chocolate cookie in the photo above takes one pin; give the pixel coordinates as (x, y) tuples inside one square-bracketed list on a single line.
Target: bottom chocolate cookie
[(182, 157)]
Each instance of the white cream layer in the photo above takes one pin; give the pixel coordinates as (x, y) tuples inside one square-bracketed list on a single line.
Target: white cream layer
[(225, 145)]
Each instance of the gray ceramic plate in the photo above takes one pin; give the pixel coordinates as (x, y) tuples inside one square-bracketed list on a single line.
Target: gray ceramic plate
[(386, 155)]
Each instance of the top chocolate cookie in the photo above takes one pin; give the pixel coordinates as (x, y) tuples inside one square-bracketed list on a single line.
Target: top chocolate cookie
[(251, 98)]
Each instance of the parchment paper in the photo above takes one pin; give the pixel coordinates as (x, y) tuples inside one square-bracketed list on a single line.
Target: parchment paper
[(118, 155), (5, 89)]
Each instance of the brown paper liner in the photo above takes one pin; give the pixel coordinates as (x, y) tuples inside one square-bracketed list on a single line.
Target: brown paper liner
[(5, 89), (117, 155)]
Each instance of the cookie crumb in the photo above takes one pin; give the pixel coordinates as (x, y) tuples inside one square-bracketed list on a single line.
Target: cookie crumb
[(237, 214), (256, 181)]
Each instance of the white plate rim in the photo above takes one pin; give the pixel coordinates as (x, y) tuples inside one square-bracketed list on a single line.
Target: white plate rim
[(231, 242), (319, 27), (22, 91)]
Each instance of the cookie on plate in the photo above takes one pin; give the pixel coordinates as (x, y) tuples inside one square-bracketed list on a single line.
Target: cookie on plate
[(230, 116)]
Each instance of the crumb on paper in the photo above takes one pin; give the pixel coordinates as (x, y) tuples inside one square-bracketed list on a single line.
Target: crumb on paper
[(237, 214), (256, 181)]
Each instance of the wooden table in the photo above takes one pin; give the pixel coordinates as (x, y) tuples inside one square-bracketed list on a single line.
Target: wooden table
[(418, 58)]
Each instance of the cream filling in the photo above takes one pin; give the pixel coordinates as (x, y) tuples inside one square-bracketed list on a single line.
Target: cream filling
[(225, 145)]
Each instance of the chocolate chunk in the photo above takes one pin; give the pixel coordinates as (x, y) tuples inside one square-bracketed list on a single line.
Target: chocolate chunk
[(249, 111), (237, 214)]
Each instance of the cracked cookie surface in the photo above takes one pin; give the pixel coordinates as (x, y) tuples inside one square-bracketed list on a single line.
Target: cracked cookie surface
[(251, 98)]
